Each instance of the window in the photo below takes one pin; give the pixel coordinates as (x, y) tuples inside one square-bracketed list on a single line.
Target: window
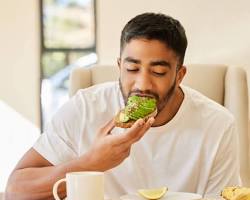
[(67, 37)]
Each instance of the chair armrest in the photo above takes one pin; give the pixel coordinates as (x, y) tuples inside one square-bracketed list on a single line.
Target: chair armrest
[(79, 78), (236, 100), (247, 70)]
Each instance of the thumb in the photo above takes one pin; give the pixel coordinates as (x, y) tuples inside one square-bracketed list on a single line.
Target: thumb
[(107, 128)]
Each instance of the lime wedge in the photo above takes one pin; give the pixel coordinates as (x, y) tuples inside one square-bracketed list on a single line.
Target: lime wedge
[(155, 193)]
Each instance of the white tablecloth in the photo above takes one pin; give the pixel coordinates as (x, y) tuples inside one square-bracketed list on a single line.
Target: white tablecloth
[(17, 135)]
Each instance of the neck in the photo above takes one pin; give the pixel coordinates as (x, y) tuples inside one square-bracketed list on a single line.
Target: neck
[(170, 109)]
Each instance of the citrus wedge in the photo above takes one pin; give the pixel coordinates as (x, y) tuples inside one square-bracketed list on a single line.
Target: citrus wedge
[(155, 193)]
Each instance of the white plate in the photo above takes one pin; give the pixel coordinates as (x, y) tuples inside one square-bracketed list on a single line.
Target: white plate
[(168, 196), (105, 198)]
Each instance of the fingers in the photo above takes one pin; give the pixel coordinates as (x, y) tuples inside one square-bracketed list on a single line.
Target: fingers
[(133, 134), (107, 128)]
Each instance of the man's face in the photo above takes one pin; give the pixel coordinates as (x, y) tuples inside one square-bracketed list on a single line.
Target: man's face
[(149, 68)]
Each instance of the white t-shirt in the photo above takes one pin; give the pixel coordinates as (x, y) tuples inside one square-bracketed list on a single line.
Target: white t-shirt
[(197, 151)]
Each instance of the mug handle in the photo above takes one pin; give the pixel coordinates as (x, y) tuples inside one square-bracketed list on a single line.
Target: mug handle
[(55, 186)]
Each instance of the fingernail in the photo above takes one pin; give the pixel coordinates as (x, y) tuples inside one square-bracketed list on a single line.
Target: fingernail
[(151, 120), (140, 122)]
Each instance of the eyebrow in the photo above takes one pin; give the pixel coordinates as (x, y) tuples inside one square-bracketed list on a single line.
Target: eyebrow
[(152, 63), (132, 60), (161, 63)]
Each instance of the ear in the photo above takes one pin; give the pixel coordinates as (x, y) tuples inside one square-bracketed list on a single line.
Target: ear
[(119, 62), (180, 74)]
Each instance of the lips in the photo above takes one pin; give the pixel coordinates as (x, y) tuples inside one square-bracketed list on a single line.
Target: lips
[(143, 95)]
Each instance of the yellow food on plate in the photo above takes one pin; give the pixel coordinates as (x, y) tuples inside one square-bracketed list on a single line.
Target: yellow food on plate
[(155, 193), (236, 193)]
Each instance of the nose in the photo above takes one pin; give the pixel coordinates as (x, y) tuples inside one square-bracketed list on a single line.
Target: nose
[(143, 82)]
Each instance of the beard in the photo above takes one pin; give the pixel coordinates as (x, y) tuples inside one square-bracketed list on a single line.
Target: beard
[(161, 103)]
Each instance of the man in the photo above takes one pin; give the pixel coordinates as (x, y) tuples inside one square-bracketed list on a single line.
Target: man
[(185, 147)]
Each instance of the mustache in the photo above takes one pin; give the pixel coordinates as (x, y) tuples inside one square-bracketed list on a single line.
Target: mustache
[(145, 93)]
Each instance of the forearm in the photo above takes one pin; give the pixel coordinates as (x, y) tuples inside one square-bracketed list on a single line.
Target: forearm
[(37, 183), (107, 151)]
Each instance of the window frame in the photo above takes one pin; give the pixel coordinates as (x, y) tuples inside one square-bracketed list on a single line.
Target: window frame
[(44, 48), (67, 51)]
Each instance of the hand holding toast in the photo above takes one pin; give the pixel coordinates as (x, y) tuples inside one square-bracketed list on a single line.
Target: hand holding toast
[(109, 150)]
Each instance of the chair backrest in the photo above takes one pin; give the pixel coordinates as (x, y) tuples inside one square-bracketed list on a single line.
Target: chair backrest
[(208, 79), (225, 85)]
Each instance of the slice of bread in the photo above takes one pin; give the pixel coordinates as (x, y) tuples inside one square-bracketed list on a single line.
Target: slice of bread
[(130, 123)]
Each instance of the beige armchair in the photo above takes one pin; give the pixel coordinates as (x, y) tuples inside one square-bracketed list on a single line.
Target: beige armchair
[(225, 85)]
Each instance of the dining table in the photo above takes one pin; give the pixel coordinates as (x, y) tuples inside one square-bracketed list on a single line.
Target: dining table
[(17, 135)]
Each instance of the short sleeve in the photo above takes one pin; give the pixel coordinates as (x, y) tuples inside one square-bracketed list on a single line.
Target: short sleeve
[(60, 141)]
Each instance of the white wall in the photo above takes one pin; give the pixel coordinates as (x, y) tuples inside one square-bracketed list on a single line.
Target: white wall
[(217, 31), (19, 57)]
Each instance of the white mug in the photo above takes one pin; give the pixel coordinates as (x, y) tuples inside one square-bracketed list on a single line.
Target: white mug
[(82, 186)]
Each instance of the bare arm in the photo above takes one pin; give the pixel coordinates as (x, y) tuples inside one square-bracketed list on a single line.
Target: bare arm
[(34, 176)]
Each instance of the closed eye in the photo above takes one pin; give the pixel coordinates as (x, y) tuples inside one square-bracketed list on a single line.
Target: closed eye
[(159, 73), (132, 70)]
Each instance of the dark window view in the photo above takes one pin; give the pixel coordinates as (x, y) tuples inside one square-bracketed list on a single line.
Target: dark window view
[(68, 41)]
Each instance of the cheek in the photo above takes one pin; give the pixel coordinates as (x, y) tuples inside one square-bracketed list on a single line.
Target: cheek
[(160, 88), (163, 86), (127, 82)]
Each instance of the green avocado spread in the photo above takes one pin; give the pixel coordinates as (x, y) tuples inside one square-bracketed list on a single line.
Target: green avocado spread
[(137, 107)]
